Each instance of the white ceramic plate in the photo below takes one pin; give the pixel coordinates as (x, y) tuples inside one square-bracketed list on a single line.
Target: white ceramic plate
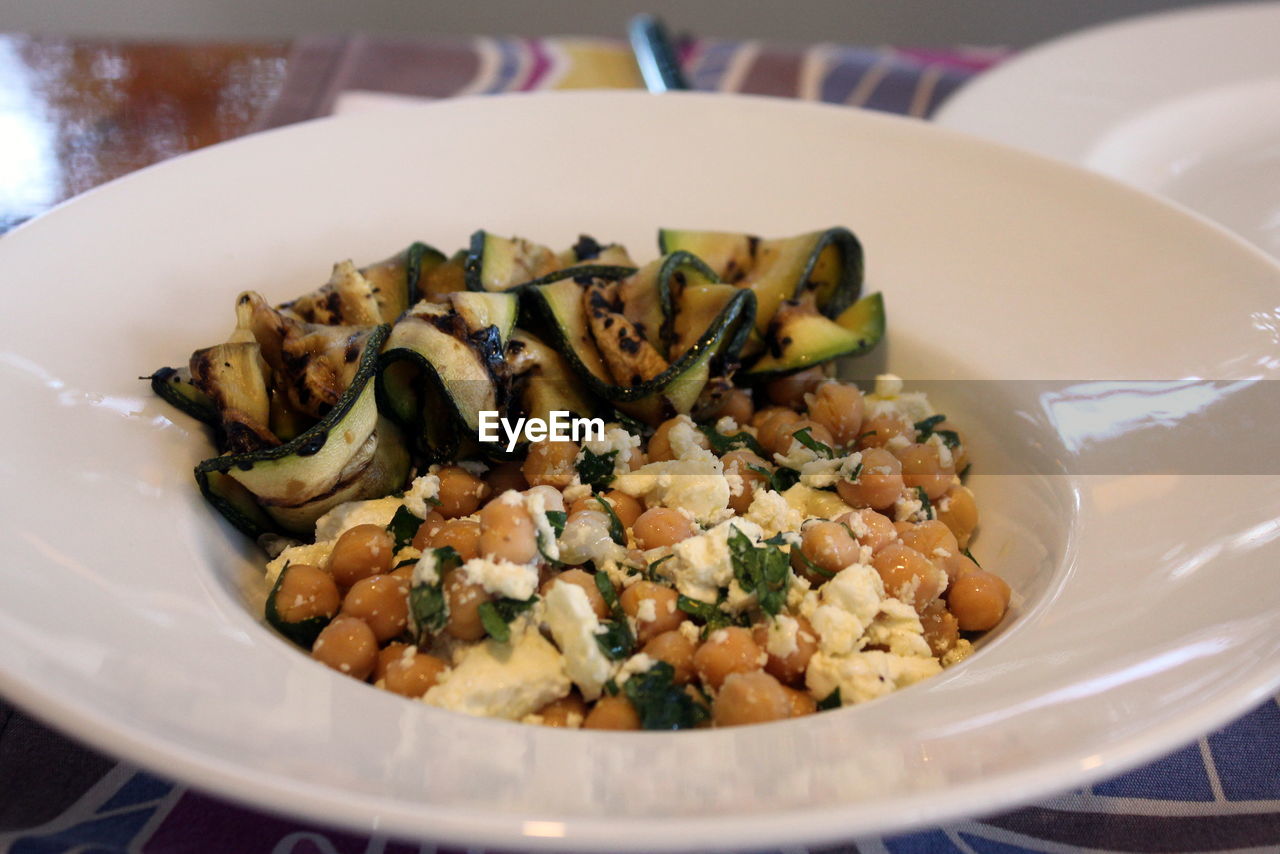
[(1184, 104), (1034, 294)]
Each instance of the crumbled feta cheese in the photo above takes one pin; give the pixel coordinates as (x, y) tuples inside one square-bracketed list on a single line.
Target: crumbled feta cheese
[(897, 442), (315, 554), (503, 680), (425, 571), (638, 663), (537, 501), (576, 491), (909, 508), (783, 636), (616, 438), (574, 626), (945, 458), (815, 503), (738, 600), (690, 631), (865, 675), (344, 517), (694, 484), (727, 426), (772, 513), (898, 627), (839, 632), (702, 564), (420, 493), (888, 385), (502, 577), (958, 653)]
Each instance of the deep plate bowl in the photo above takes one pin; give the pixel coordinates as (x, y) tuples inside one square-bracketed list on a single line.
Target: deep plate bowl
[(1110, 357)]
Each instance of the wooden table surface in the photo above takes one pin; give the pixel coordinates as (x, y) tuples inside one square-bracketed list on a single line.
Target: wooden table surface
[(77, 113)]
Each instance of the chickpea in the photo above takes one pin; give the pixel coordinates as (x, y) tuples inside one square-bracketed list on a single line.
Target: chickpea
[(959, 512), (661, 526), (306, 592), (348, 646), (612, 713), (956, 566), (551, 463), (386, 655), (413, 675), (736, 404), (587, 582), (839, 408), (828, 545), (739, 462), (816, 432), (726, 651), (569, 711), (879, 483), (675, 649), (427, 530), (750, 698), (763, 415), (941, 629), (507, 532), (404, 577), (460, 492), (789, 669), (637, 459), (908, 575), (879, 429), (791, 389), (464, 600), (660, 449), (360, 552), (801, 702), (382, 602), (929, 538), (505, 476), (978, 599), (651, 620), (879, 530), (772, 431), (462, 535), (922, 466), (626, 508)]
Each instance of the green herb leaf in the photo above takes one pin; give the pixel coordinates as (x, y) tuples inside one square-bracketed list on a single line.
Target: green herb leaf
[(616, 640), (496, 616), (426, 601), (821, 449), (403, 526), (652, 573), (557, 518), (596, 470), (926, 506), (970, 556), (722, 444), (302, 632), (617, 533), (761, 570), (611, 687), (780, 480), (660, 702), (605, 585), (831, 701), (925, 429)]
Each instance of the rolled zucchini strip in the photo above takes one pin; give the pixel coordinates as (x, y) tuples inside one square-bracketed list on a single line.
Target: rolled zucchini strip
[(496, 263)]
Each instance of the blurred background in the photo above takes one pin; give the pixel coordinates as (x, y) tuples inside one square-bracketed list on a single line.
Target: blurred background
[(1013, 23)]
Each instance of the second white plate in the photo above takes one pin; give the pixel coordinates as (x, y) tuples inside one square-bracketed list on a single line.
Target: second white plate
[(1183, 104)]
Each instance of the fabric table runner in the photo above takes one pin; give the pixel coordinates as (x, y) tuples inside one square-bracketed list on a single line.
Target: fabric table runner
[(1219, 793)]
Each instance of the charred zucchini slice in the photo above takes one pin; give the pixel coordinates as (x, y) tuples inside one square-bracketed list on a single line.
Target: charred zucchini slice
[(378, 293), (348, 454), (543, 381), (175, 387), (497, 263), (800, 337), (445, 362)]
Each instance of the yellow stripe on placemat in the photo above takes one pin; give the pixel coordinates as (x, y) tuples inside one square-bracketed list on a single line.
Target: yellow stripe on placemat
[(592, 64)]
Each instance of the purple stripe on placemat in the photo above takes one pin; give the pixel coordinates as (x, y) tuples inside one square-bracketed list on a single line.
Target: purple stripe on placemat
[(539, 63), (773, 73)]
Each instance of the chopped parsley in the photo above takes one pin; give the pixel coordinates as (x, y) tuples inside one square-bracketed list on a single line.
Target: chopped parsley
[(496, 616), (712, 617), (557, 518), (780, 480), (820, 448), (970, 556), (652, 573), (403, 526), (925, 429), (831, 701), (661, 703), (722, 444), (617, 533), (596, 470), (926, 506), (616, 640), (761, 570), (426, 601)]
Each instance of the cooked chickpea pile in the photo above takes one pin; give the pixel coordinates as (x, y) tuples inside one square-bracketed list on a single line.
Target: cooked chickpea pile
[(802, 547)]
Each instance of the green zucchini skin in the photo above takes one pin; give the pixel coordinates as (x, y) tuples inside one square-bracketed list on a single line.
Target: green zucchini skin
[(493, 264), (811, 339), (174, 386), (307, 468)]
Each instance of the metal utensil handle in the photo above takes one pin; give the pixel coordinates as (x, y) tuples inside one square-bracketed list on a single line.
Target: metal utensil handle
[(655, 55)]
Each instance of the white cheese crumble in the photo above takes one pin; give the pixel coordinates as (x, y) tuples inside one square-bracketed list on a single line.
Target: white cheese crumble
[(344, 517), (616, 438), (909, 508), (945, 458), (502, 577), (537, 501), (815, 503), (865, 675), (771, 511), (815, 470), (783, 636), (647, 611), (314, 554), (702, 565), (574, 626), (420, 493), (503, 680), (898, 627), (638, 663)]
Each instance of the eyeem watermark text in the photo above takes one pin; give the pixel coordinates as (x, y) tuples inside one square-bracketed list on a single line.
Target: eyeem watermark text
[(561, 427)]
